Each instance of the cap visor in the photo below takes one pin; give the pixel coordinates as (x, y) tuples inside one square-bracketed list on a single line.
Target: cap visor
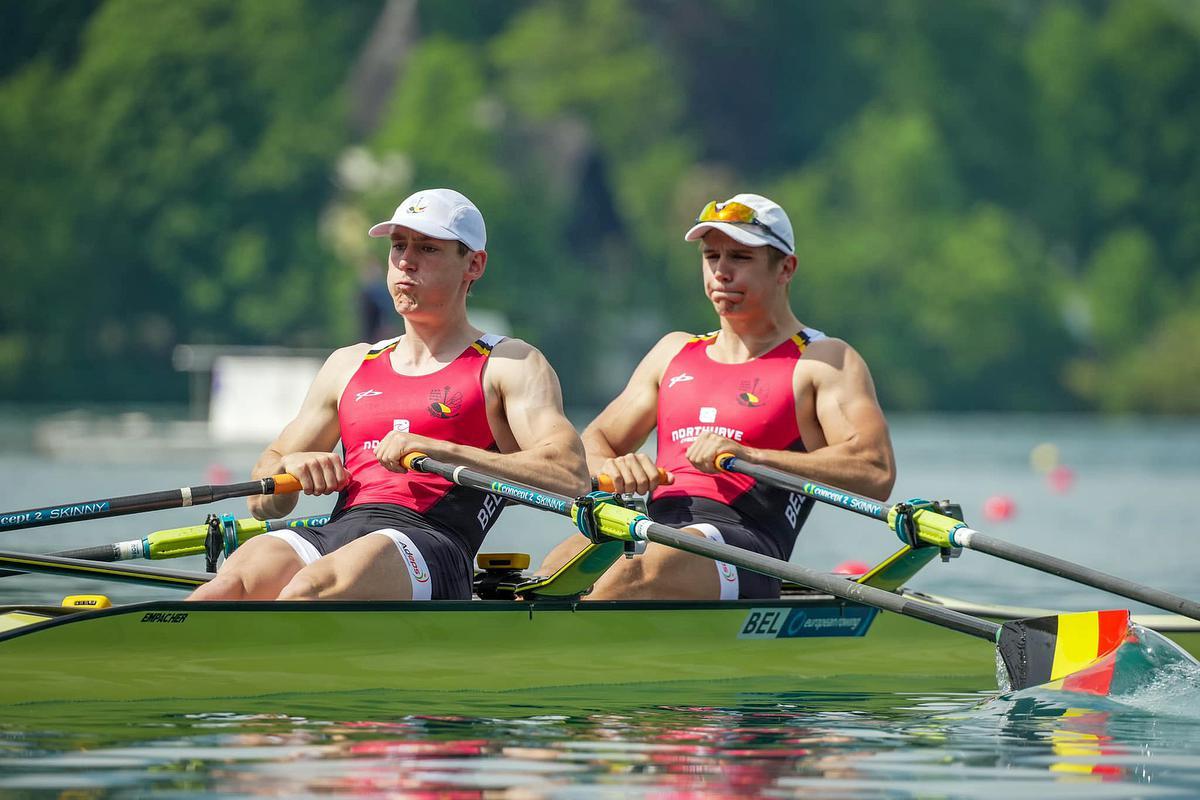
[(424, 228), (742, 235)]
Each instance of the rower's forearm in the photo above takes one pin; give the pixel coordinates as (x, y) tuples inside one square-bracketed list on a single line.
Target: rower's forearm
[(270, 506), (598, 450), (872, 474), (554, 467)]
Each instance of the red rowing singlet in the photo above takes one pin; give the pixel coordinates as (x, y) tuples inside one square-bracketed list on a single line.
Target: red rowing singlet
[(753, 403), (448, 405)]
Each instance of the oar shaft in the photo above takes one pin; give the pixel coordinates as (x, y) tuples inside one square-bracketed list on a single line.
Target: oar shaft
[(838, 587), (962, 536), (974, 540), (809, 488), (151, 501), (670, 537), (56, 565)]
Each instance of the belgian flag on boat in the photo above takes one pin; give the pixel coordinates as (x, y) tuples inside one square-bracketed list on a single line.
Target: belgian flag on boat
[(1075, 652)]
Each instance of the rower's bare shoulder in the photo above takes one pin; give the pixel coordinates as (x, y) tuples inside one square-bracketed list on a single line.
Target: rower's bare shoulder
[(337, 371), (656, 361), (830, 352), (345, 360), (514, 361)]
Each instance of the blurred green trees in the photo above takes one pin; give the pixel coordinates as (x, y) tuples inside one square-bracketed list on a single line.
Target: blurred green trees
[(997, 203)]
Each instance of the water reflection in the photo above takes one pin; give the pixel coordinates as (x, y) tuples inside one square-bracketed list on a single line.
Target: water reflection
[(777, 744)]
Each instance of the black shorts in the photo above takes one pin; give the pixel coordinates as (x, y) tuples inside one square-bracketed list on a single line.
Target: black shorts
[(733, 529), (437, 565)]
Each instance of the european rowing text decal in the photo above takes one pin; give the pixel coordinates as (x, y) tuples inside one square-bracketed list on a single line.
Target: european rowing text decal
[(794, 623)]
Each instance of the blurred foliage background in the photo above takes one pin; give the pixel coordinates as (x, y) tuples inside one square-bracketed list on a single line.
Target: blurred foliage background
[(996, 201)]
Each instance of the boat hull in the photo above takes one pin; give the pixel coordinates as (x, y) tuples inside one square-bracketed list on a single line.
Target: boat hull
[(210, 650)]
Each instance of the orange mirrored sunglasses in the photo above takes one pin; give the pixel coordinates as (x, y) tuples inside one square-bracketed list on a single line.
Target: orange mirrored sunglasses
[(740, 214)]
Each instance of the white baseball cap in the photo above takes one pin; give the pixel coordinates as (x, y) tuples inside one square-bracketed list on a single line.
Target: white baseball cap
[(439, 214), (747, 218)]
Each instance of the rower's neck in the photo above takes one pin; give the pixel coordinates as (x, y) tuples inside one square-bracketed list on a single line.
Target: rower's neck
[(743, 339), (428, 345)]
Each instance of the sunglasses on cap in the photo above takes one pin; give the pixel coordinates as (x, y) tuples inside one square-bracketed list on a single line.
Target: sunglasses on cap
[(741, 214)]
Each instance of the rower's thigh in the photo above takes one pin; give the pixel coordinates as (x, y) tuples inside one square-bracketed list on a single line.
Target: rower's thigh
[(257, 570), (369, 568), (661, 573)]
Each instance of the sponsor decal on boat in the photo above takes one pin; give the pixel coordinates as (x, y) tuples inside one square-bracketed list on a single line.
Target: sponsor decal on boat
[(795, 623), (171, 617)]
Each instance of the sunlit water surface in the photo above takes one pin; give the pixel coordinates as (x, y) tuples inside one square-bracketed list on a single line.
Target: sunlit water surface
[(1127, 512)]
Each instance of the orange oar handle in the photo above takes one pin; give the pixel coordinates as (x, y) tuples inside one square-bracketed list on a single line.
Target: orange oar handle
[(720, 460), (286, 484), (605, 483)]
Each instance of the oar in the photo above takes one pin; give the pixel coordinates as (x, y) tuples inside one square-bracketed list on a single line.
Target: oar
[(177, 542), (937, 529), (56, 565), (189, 541), (1032, 650), (151, 501)]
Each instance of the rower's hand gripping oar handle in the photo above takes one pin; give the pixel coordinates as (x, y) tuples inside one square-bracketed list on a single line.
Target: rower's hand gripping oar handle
[(604, 482), (283, 484)]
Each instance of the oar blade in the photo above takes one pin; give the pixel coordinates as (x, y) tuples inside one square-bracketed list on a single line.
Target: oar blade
[(1092, 652)]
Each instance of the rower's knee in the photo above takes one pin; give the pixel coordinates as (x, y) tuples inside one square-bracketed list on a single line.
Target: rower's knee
[(307, 585), (222, 587)]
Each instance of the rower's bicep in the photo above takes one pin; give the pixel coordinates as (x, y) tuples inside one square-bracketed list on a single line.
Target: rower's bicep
[(532, 402), (847, 407)]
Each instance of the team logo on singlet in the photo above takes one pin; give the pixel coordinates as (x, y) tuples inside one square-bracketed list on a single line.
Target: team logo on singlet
[(680, 378), (400, 425), (753, 393), (367, 393), (444, 403)]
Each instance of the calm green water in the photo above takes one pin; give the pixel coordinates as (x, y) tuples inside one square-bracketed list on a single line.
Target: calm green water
[(1127, 513)]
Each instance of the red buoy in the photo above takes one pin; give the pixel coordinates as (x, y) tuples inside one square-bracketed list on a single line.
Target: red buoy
[(998, 508), (1061, 479)]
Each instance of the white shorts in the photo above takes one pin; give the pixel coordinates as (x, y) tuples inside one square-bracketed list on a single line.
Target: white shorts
[(410, 554), (727, 574)]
